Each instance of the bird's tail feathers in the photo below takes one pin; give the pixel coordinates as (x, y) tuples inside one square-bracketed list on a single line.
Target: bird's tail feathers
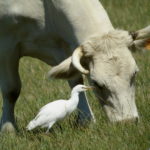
[(31, 125)]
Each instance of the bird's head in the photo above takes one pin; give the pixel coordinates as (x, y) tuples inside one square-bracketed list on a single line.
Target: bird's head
[(81, 88)]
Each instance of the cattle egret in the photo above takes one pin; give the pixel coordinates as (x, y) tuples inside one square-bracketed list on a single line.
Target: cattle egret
[(57, 110)]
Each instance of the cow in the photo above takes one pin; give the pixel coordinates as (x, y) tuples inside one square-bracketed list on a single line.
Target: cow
[(76, 38)]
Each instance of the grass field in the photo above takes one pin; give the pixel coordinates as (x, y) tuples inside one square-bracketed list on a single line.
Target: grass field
[(37, 90)]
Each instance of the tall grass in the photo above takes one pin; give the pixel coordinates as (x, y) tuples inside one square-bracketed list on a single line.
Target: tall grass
[(37, 90)]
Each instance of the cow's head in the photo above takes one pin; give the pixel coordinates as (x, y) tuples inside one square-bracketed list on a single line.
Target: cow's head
[(111, 69)]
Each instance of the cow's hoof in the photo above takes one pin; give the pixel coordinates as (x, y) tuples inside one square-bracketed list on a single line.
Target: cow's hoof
[(8, 127)]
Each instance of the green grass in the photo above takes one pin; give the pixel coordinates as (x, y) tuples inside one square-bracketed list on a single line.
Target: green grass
[(37, 90)]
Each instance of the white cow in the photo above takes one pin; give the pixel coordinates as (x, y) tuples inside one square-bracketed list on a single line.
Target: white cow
[(52, 30)]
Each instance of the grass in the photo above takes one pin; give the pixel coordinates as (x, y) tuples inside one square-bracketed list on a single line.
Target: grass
[(37, 90)]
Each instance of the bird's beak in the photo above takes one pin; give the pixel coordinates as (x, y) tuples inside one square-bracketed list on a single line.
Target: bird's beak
[(89, 87)]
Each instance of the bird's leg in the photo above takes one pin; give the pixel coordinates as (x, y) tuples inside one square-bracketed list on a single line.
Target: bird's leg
[(47, 131), (49, 126), (59, 126)]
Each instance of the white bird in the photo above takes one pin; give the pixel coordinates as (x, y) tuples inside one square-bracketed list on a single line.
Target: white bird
[(57, 110)]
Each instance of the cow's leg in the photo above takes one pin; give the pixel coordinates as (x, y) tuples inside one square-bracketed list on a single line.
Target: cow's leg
[(10, 91), (10, 87), (85, 112)]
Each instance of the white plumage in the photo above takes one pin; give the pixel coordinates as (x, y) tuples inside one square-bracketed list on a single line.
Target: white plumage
[(57, 110)]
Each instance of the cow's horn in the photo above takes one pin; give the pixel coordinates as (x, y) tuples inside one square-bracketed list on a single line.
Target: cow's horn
[(76, 56)]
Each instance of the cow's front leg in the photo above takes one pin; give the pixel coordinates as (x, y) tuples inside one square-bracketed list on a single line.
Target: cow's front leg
[(10, 87), (85, 113)]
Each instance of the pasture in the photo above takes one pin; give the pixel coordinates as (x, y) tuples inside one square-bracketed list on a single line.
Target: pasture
[(38, 90)]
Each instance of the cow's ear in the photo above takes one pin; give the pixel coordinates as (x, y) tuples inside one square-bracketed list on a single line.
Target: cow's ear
[(141, 38), (65, 70), (147, 45)]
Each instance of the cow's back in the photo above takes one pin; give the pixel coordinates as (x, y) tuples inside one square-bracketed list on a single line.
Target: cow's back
[(80, 18)]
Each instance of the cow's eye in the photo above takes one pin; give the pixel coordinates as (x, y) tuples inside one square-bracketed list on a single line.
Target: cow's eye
[(101, 87), (133, 78), (134, 74)]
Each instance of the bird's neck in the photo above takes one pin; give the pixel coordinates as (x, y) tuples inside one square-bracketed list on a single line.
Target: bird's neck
[(74, 97), (73, 101)]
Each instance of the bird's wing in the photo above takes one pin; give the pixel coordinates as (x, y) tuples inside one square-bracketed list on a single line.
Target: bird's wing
[(52, 111), (52, 104)]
